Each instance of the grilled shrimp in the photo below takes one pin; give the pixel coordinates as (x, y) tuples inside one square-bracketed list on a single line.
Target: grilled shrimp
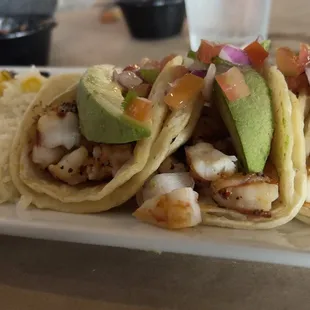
[(97, 171), (69, 167), (112, 156), (171, 164), (177, 209), (208, 163), (250, 193), (165, 183), (55, 130), (45, 157)]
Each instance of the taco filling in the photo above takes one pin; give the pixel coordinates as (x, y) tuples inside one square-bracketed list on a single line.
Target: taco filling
[(61, 149), (295, 67), (226, 165), (74, 141), (92, 137)]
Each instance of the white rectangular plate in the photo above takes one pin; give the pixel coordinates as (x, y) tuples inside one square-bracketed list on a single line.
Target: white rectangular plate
[(289, 244)]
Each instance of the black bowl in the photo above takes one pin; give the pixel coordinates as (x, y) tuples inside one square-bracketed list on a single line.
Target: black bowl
[(25, 40), (153, 19)]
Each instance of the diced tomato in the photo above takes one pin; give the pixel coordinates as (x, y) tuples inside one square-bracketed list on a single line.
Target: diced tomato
[(207, 51), (217, 49), (178, 72), (139, 109), (304, 54), (256, 53), (142, 90), (297, 84), (288, 62), (166, 59), (185, 89), (233, 84)]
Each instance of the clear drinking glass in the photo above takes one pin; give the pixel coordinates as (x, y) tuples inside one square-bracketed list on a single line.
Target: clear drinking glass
[(229, 21)]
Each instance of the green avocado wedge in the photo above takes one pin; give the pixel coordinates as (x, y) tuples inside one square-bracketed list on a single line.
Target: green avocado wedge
[(249, 121), (101, 115)]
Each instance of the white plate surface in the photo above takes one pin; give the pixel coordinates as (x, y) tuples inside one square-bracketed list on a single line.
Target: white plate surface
[(289, 244)]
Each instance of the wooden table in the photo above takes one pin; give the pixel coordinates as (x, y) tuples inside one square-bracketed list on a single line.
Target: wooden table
[(53, 275)]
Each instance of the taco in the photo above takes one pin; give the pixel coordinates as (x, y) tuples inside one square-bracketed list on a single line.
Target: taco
[(242, 165), (295, 69), (75, 151), (17, 91)]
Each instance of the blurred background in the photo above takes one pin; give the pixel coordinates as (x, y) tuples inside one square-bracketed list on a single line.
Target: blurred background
[(86, 32)]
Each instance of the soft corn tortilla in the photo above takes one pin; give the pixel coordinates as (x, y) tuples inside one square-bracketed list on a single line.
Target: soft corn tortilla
[(45, 192), (304, 213), (12, 109)]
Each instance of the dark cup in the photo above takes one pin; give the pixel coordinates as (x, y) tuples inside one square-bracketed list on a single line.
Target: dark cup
[(153, 19), (25, 40)]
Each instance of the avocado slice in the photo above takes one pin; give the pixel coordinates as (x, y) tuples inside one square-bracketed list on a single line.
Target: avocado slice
[(249, 121), (101, 115)]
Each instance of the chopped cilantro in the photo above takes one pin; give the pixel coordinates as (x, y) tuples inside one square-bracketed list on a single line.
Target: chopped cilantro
[(131, 95)]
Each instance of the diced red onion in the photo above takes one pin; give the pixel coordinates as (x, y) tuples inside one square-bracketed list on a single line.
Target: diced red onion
[(234, 55), (129, 79), (200, 73), (208, 82)]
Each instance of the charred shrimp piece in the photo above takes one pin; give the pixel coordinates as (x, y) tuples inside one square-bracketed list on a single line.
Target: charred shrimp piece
[(177, 209), (44, 156), (69, 167), (107, 160), (165, 183), (209, 164), (113, 156), (97, 171), (251, 194), (54, 130)]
